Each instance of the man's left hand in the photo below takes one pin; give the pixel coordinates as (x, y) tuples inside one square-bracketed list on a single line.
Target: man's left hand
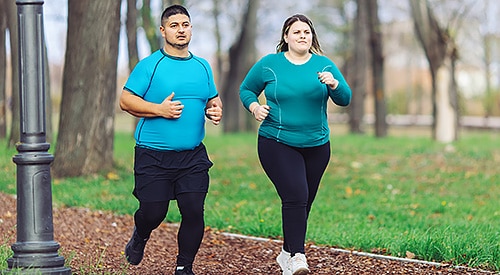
[(214, 112)]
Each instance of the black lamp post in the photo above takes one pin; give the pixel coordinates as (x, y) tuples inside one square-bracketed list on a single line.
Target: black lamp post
[(35, 251)]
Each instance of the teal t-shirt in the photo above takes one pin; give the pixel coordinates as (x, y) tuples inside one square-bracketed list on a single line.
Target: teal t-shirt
[(154, 78), (298, 100)]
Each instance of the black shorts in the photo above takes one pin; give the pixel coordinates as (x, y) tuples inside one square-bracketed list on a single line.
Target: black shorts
[(161, 175)]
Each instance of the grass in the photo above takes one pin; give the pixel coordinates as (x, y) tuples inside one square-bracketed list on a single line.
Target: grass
[(398, 195)]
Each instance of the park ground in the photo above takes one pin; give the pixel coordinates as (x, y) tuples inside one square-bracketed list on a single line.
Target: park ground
[(92, 242)]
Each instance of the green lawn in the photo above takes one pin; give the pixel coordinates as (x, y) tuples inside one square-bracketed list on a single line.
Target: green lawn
[(391, 196)]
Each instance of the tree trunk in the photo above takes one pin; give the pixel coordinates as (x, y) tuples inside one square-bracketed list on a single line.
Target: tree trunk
[(150, 28), (86, 129), (133, 51), (131, 26), (11, 10), (446, 114), (167, 3), (218, 39), (488, 62), (441, 54), (3, 73), (359, 73), (377, 68), (242, 56), (49, 130)]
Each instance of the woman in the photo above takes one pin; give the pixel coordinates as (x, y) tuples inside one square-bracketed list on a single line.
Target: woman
[(293, 142)]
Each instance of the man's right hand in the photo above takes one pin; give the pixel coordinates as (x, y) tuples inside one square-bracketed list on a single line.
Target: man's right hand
[(170, 108)]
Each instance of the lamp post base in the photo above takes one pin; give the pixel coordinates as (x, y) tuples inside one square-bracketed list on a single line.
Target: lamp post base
[(36, 258)]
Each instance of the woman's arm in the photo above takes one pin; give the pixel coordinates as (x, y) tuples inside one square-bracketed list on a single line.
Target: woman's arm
[(341, 94)]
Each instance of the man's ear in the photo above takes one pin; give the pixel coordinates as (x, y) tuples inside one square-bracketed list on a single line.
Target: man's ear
[(162, 31)]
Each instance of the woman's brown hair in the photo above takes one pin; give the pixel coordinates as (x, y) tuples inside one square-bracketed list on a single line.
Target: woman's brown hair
[(283, 46)]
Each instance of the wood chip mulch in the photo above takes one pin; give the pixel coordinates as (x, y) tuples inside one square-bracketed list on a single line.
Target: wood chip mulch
[(93, 242)]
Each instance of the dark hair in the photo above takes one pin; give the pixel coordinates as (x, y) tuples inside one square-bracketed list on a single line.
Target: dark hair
[(283, 46), (173, 10)]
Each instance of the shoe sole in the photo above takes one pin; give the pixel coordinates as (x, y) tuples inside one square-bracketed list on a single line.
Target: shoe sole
[(301, 271)]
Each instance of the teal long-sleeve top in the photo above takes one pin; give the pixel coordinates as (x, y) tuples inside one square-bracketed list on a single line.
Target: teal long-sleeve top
[(297, 99)]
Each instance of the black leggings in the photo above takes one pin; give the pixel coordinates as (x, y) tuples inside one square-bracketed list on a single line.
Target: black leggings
[(191, 206), (296, 174)]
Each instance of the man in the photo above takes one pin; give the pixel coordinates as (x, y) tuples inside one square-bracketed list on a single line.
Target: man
[(172, 91)]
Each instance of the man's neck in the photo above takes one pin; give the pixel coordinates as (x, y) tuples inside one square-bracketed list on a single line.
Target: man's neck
[(172, 51)]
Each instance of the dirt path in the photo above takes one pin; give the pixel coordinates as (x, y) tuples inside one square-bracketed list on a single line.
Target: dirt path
[(93, 243)]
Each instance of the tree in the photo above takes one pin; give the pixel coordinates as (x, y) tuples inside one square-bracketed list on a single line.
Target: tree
[(150, 28), (172, 2), (218, 40), (86, 128), (131, 33), (487, 31), (358, 75), (131, 26), (377, 62), (441, 53), (9, 7), (242, 55), (3, 73), (49, 135)]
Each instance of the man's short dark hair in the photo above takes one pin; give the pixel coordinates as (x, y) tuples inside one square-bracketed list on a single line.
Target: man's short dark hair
[(173, 10)]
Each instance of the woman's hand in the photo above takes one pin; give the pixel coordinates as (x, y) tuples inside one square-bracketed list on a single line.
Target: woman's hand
[(328, 79), (260, 112)]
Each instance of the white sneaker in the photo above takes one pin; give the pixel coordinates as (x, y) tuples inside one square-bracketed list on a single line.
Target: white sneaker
[(283, 259), (298, 264)]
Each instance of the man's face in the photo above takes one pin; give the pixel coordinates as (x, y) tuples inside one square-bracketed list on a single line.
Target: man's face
[(177, 31)]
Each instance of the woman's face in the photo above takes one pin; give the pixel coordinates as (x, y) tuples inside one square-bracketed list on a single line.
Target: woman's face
[(299, 37)]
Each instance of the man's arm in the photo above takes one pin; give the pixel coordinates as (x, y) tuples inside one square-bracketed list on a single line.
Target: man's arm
[(139, 107)]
